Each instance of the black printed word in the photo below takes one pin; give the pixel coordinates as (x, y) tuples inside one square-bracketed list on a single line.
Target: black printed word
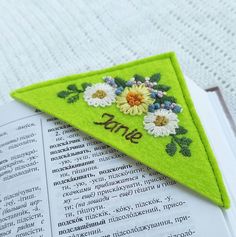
[(114, 126)]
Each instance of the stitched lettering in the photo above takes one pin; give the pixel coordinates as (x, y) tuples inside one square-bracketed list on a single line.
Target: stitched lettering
[(110, 124)]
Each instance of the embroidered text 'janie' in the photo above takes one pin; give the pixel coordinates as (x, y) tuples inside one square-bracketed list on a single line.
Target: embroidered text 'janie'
[(116, 127)]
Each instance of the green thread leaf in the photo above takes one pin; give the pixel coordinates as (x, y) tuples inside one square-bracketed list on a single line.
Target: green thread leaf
[(185, 151), (172, 99), (161, 87), (63, 94), (72, 87), (171, 149), (180, 130), (73, 99), (120, 82), (185, 141), (85, 85), (155, 77), (138, 77), (177, 140)]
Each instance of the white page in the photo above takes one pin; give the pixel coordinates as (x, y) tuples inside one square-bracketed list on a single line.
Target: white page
[(80, 195), (222, 140)]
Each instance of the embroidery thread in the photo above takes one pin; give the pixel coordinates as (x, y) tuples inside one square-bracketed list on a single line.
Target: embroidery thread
[(117, 127), (72, 92), (137, 96)]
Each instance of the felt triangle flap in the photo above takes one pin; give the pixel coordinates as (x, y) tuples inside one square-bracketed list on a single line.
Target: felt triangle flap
[(183, 155)]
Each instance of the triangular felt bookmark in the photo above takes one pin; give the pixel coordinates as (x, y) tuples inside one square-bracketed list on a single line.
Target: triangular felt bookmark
[(143, 109)]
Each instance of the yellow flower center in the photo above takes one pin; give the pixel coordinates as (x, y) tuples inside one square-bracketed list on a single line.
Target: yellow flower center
[(99, 94), (134, 98), (161, 121)]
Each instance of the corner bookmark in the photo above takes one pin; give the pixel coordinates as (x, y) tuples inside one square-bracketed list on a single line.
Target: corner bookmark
[(143, 109)]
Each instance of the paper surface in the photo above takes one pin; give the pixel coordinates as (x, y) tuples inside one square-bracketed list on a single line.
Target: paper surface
[(56, 181)]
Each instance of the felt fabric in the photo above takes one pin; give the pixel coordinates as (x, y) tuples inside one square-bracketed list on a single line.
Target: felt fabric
[(198, 171)]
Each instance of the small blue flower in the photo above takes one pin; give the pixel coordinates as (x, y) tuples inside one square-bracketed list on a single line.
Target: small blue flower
[(153, 95), (177, 109), (112, 83), (157, 106), (167, 104), (172, 105), (129, 83), (151, 108), (119, 90), (160, 94)]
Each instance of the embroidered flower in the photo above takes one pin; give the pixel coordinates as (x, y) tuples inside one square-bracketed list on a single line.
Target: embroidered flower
[(137, 96), (134, 100), (161, 123), (99, 95)]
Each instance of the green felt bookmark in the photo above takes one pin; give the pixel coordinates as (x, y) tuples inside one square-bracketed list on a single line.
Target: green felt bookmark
[(143, 109)]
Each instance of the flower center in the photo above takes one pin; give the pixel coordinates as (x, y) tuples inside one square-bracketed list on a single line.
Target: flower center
[(161, 121), (134, 98), (100, 94)]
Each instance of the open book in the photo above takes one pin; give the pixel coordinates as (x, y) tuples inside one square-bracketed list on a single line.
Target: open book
[(57, 181)]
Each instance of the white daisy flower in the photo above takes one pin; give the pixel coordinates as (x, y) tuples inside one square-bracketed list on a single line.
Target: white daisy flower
[(161, 123), (99, 95)]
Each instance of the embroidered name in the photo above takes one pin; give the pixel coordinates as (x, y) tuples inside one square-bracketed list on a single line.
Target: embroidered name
[(116, 127)]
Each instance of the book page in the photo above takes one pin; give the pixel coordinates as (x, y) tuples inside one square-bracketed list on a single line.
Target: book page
[(56, 181), (222, 145)]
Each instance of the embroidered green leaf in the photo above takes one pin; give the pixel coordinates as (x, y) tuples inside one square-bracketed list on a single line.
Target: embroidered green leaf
[(162, 87), (73, 99), (155, 77), (120, 82), (72, 87), (63, 94), (85, 85), (73, 91), (184, 141), (172, 99), (185, 151), (139, 78), (171, 148), (161, 100), (181, 130)]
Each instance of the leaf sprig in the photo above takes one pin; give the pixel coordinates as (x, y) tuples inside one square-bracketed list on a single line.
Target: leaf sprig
[(72, 93), (182, 142), (138, 78)]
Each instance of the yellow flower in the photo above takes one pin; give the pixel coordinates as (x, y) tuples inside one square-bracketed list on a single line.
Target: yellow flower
[(134, 100)]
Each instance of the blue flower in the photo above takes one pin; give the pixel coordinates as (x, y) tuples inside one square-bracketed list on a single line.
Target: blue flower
[(119, 90), (157, 106), (160, 94), (153, 95), (110, 81), (177, 109), (151, 108), (167, 104), (129, 83)]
